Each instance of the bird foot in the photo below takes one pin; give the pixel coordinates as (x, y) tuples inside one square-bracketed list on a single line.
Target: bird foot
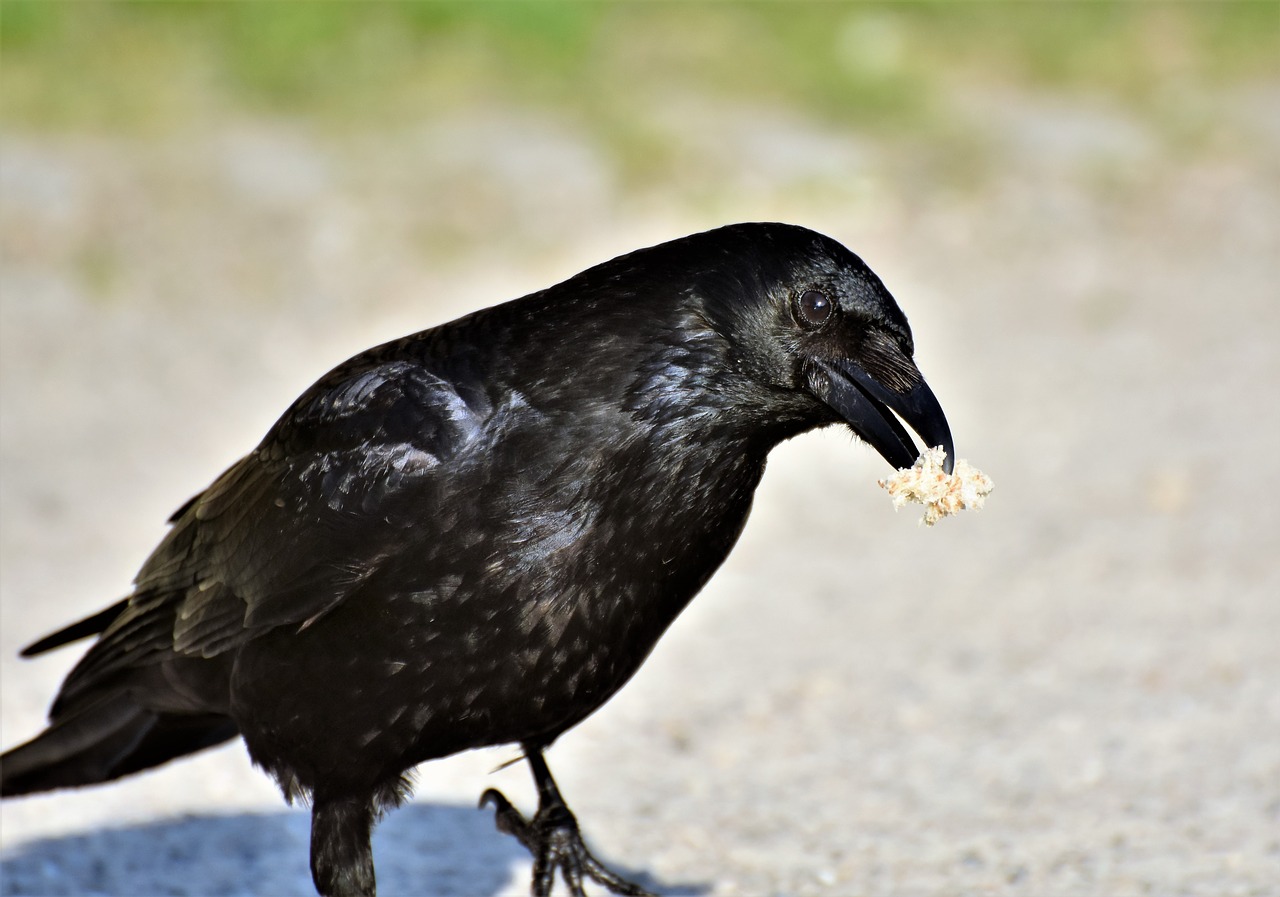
[(552, 836)]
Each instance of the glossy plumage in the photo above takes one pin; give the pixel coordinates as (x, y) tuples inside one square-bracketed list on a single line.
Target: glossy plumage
[(475, 535)]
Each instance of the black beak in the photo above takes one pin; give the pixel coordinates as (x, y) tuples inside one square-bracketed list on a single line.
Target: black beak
[(868, 405)]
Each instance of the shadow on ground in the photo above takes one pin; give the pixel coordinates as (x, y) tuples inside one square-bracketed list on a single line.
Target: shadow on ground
[(422, 849)]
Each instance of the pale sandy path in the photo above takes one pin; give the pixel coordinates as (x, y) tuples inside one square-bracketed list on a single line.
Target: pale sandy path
[(1076, 692)]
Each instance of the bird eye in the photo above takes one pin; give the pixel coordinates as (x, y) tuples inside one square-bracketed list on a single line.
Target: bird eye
[(813, 308)]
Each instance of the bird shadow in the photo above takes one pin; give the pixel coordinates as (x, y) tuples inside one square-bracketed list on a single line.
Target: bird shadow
[(440, 850)]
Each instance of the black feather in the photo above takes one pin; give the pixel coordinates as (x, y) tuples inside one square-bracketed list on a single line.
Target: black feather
[(476, 534)]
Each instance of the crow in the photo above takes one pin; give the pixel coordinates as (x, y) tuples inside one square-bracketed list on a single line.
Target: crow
[(476, 534)]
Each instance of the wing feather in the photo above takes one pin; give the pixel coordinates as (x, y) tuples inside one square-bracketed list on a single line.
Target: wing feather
[(285, 534)]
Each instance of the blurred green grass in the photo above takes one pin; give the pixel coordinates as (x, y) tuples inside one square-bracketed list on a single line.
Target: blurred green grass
[(142, 66)]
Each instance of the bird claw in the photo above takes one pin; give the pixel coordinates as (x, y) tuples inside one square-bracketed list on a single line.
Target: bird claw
[(552, 836), (507, 818)]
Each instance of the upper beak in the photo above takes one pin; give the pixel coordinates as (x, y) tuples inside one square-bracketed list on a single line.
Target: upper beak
[(868, 405)]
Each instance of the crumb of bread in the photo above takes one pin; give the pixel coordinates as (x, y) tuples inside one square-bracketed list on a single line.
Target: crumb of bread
[(941, 493)]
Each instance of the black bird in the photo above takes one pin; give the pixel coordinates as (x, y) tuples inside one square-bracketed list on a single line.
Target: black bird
[(476, 534)]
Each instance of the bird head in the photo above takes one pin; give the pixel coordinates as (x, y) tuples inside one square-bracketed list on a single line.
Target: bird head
[(810, 320)]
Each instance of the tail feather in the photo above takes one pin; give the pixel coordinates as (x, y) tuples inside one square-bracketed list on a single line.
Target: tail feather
[(78, 630), (105, 740)]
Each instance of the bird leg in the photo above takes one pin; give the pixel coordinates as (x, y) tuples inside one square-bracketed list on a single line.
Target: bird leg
[(552, 836), (341, 856)]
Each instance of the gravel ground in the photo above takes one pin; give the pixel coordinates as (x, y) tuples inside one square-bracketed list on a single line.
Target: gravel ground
[(1075, 692)]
